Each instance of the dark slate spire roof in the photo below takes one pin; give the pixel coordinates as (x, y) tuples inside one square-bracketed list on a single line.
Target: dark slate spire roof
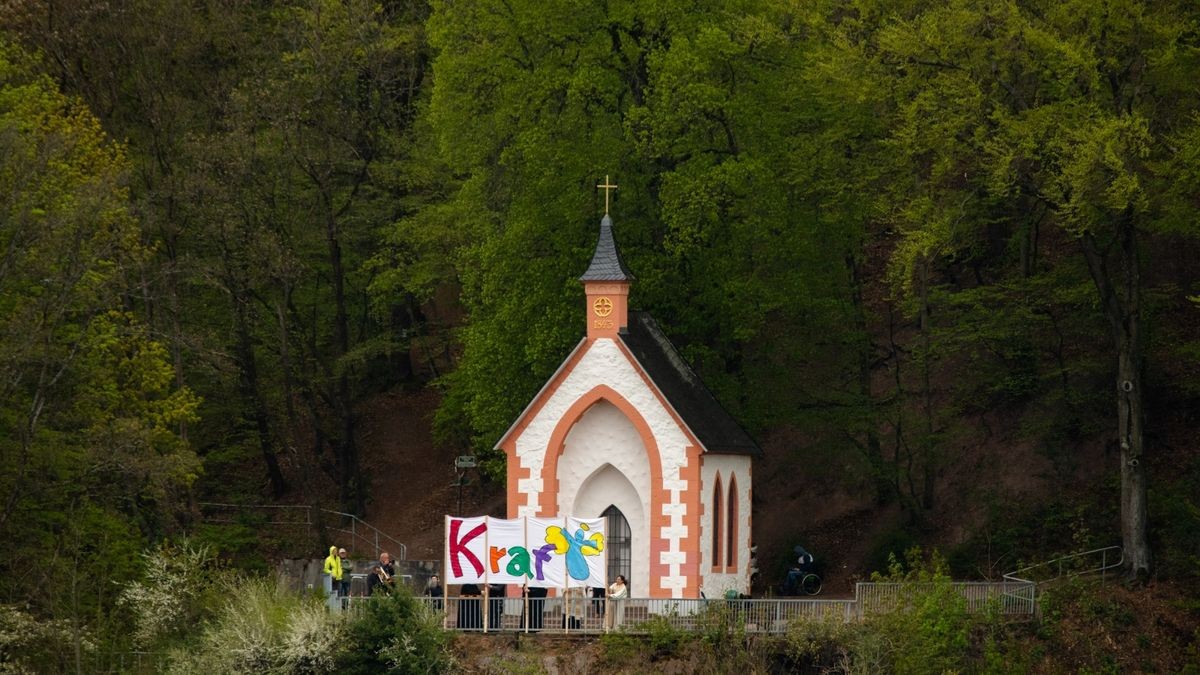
[(714, 427), (606, 261)]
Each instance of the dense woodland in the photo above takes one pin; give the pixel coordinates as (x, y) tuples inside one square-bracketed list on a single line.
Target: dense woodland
[(885, 226)]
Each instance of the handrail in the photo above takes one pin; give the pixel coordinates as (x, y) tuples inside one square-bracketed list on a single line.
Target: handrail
[(359, 528), (1103, 567)]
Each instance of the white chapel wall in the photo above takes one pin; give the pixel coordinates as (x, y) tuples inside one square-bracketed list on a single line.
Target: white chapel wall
[(716, 583), (605, 463), (605, 363)]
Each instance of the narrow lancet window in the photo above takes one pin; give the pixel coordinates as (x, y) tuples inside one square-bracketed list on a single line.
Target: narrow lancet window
[(731, 527), (717, 514)]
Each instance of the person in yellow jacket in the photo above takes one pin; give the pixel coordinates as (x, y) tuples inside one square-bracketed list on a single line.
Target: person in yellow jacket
[(333, 568)]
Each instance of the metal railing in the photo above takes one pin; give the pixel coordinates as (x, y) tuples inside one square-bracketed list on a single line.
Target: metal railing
[(360, 532), (584, 615), (1008, 597), (1099, 560), (632, 615)]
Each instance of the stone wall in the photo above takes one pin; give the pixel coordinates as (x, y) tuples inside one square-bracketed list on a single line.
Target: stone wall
[(305, 573)]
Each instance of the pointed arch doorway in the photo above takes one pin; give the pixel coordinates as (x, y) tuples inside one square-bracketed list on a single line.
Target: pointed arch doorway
[(620, 545), (608, 493)]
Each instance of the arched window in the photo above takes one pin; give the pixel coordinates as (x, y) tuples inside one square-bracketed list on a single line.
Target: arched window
[(717, 513), (619, 544), (731, 526)]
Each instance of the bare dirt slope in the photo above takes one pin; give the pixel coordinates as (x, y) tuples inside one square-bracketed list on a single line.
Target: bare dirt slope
[(412, 479)]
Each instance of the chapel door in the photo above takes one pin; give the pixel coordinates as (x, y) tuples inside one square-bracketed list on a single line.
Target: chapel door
[(620, 547)]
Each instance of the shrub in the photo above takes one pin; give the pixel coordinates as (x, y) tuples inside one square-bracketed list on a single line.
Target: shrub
[(619, 648), (930, 630), (818, 644), (396, 634), (29, 645), (664, 638), (263, 628), (177, 589)]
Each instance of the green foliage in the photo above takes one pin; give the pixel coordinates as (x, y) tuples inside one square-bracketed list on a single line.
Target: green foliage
[(859, 220), (680, 102), (396, 634), (721, 630), (92, 458), (663, 636), (619, 649), (1176, 505), (930, 630), (821, 643)]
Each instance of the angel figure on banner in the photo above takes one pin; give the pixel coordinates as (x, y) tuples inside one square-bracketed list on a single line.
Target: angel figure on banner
[(576, 547)]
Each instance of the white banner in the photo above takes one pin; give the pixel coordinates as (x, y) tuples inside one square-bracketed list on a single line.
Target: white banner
[(509, 560), (540, 552), (466, 550), (592, 537), (545, 535)]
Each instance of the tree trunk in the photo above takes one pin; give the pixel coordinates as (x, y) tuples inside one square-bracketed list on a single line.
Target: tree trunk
[(353, 497), (928, 465), (884, 493), (248, 386), (1120, 296)]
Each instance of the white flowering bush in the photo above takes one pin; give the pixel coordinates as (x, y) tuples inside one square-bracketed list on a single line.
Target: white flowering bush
[(263, 628), (29, 644), (313, 640), (172, 595)]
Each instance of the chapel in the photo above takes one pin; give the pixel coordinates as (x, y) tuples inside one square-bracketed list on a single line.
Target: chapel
[(625, 430)]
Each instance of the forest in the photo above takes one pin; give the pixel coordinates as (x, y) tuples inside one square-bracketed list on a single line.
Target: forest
[(889, 232)]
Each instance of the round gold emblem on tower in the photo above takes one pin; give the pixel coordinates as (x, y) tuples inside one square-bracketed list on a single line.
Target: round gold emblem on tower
[(602, 306)]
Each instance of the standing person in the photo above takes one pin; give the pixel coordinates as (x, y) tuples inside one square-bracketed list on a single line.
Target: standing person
[(535, 600), (576, 608), (495, 605), (470, 616), (377, 579), (347, 570), (434, 590), (598, 601), (389, 568), (333, 572), (617, 593)]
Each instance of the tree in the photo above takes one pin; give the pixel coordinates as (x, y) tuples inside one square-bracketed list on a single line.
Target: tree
[(90, 457), (1068, 116), (324, 119)]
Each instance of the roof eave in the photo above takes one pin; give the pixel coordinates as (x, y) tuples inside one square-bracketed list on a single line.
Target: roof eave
[(537, 397)]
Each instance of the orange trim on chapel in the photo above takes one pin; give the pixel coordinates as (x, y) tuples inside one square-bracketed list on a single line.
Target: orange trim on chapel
[(548, 505), (689, 545)]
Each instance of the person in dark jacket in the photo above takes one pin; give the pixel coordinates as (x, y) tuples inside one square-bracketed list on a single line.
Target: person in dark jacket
[(469, 615), (434, 590), (536, 603), (495, 606)]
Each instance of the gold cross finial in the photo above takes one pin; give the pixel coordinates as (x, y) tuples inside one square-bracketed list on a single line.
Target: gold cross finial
[(606, 187)]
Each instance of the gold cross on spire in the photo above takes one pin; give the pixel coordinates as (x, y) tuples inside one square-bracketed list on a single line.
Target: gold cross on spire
[(606, 187)]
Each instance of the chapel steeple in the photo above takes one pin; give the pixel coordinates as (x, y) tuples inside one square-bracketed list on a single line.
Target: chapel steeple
[(606, 281)]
